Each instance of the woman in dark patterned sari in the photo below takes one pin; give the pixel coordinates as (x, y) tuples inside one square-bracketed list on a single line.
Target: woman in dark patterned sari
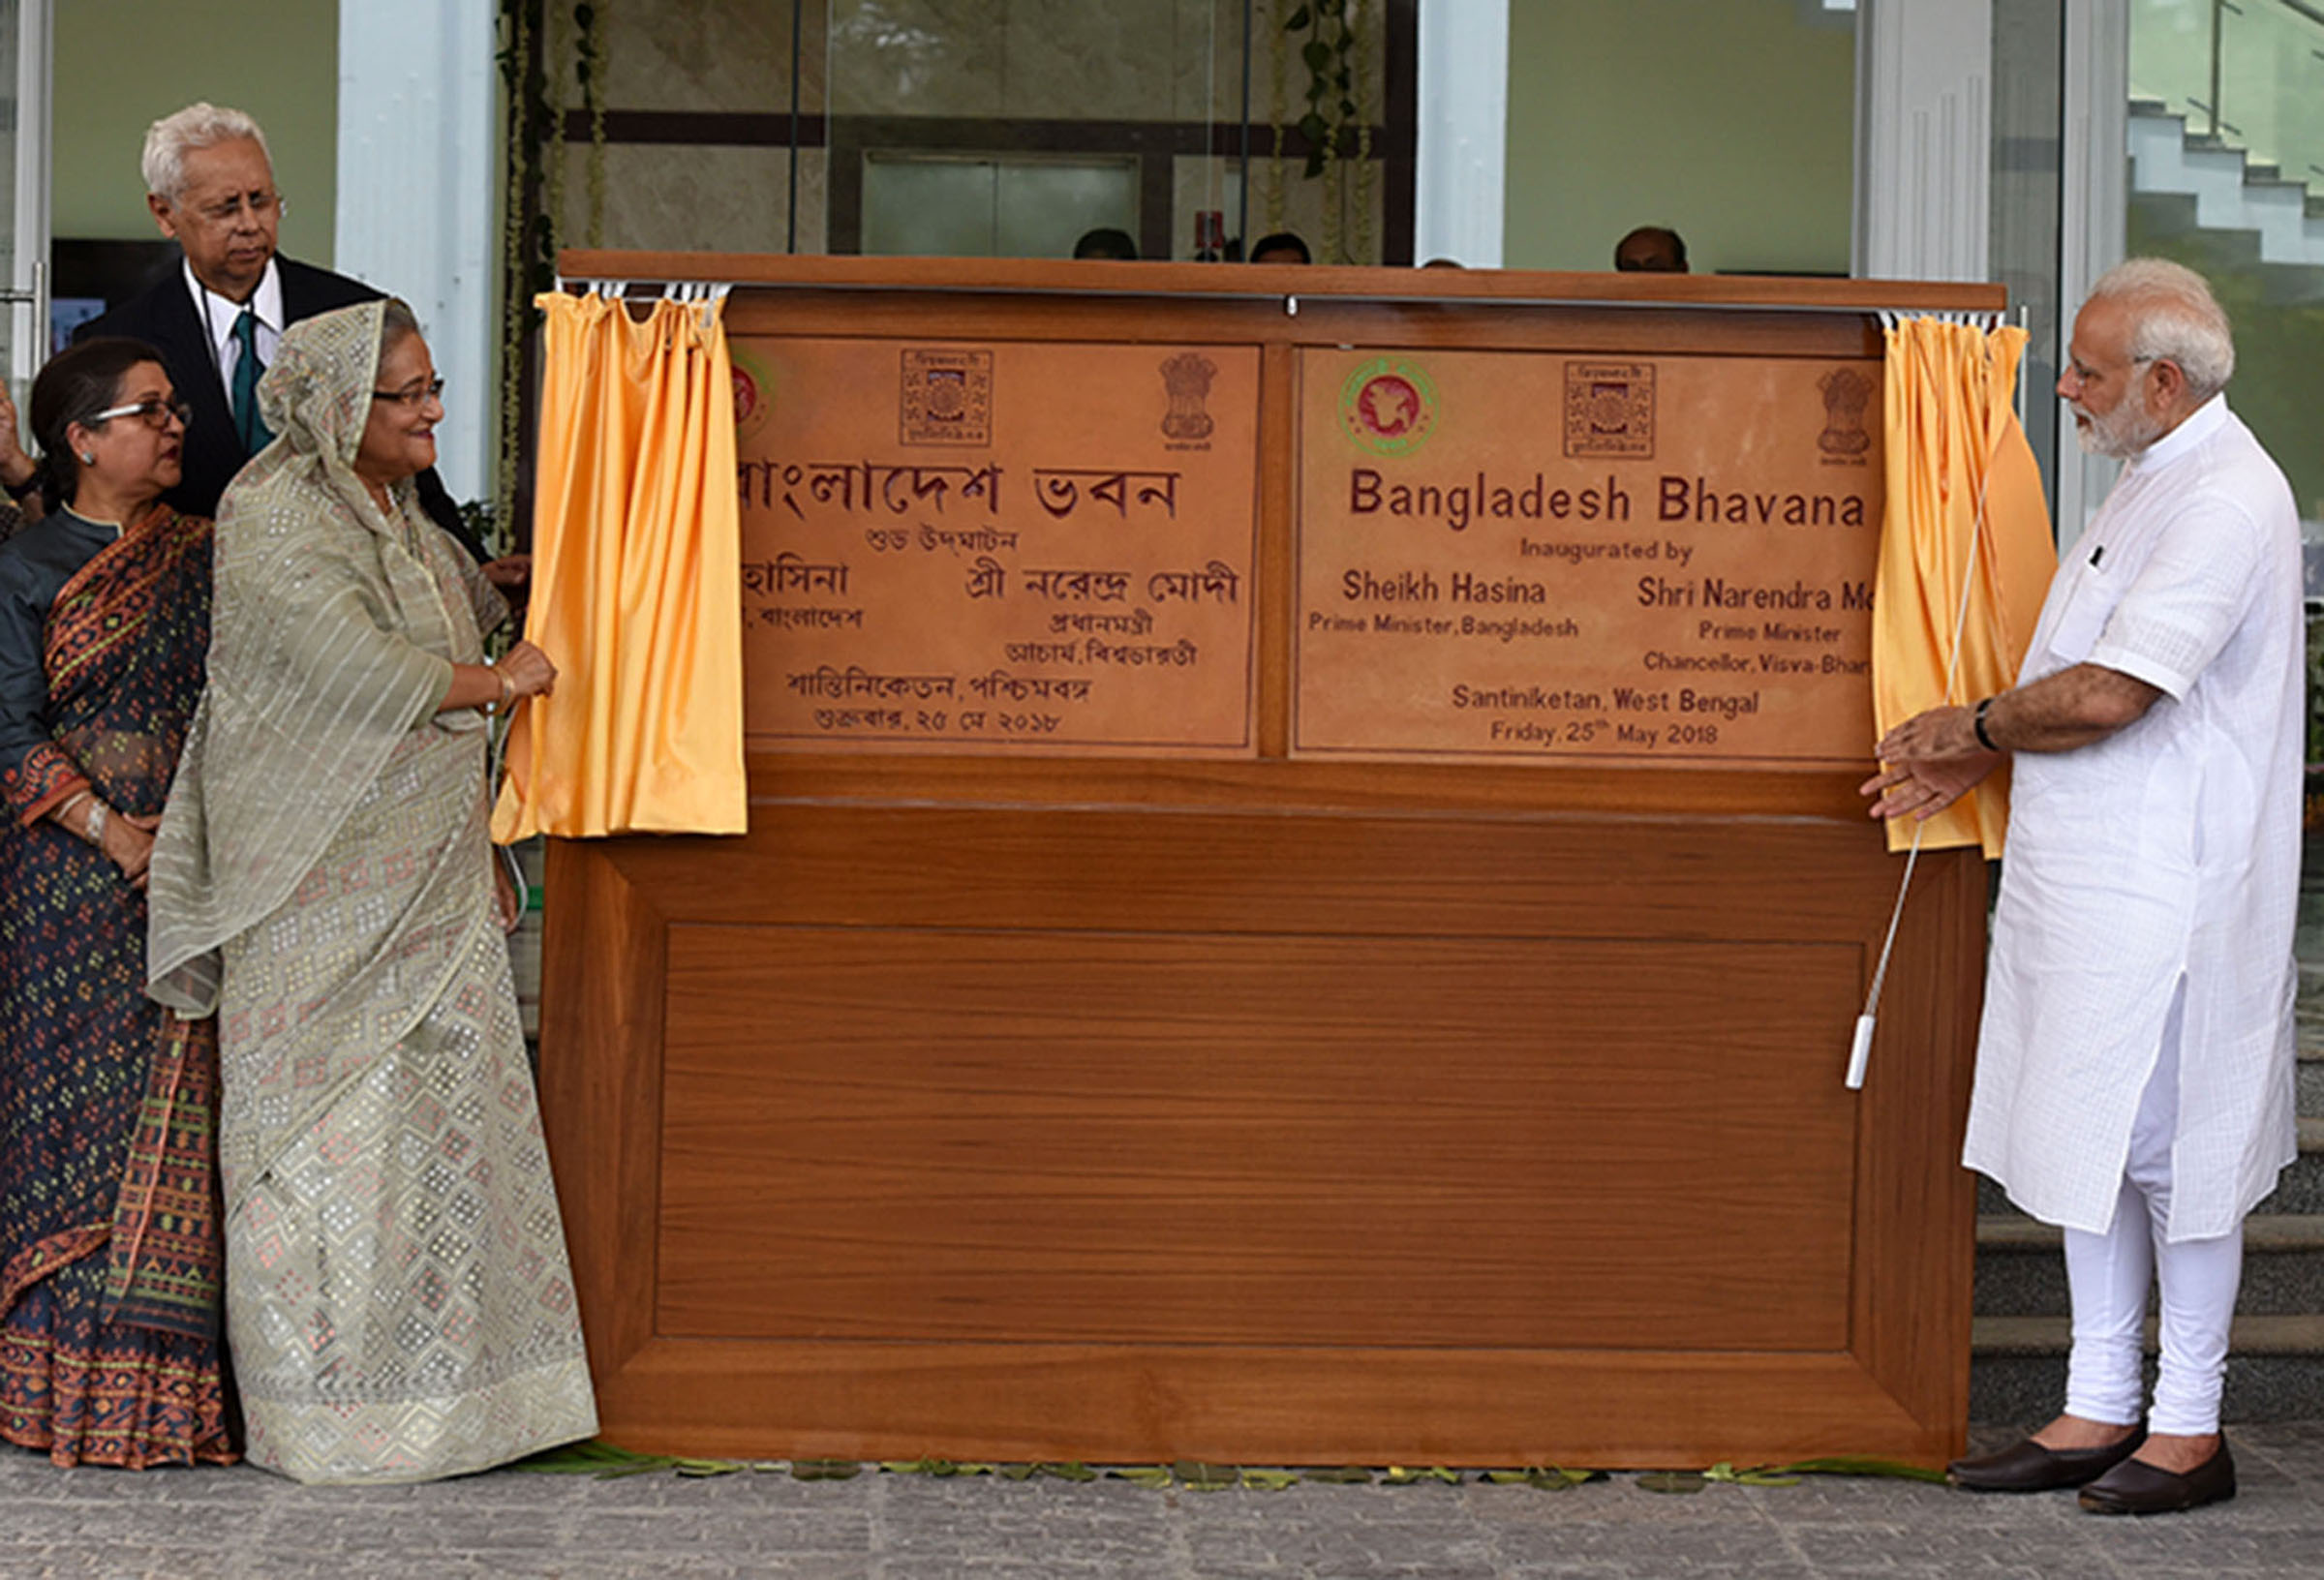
[(109, 1254)]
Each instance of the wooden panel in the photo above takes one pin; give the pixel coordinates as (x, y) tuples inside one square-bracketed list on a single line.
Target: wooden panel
[(1068, 280), (1328, 1140), (1016, 547), (1268, 1110), (1242, 1406), (1552, 558), (1895, 1382), (1252, 873)]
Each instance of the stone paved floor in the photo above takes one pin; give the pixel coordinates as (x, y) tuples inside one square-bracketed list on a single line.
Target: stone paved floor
[(244, 1525)]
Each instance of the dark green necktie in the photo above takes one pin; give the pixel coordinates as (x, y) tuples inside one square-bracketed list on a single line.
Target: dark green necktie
[(254, 435)]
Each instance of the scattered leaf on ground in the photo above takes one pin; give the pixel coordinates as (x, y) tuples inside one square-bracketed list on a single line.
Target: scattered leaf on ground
[(1673, 1481), (1404, 1476)]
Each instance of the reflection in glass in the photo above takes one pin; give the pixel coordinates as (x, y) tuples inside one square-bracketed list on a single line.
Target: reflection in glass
[(2227, 177)]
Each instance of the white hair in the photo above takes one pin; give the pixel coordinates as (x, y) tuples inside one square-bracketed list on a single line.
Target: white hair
[(2175, 319), (204, 125)]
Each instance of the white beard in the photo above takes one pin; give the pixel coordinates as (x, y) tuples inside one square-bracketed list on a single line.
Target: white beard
[(2121, 435)]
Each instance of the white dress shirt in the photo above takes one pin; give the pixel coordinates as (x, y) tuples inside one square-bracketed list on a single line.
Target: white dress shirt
[(2168, 851), (219, 314)]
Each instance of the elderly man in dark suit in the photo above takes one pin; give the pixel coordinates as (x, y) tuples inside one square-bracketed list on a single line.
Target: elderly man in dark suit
[(217, 320)]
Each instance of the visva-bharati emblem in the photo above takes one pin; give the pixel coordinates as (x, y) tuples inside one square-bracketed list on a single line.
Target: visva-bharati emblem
[(947, 397), (1846, 394), (1610, 410), (1187, 377), (753, 391), (1388, 406)]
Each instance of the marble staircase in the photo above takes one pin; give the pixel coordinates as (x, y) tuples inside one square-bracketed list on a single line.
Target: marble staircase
[(2229, 191), (2017, 1371)]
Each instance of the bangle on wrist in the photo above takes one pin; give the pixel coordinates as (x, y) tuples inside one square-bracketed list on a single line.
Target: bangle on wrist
[(1976, 723), (508, 689), (93, 831)]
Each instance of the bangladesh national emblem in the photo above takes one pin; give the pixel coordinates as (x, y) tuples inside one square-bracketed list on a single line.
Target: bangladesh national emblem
[(1610, 410), (1846, 394), (946, 398), (1388, 406), (1188, 378)]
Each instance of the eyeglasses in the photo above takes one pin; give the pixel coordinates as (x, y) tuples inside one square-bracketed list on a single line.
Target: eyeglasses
[(156, 413), (411, 394), (260, 203)]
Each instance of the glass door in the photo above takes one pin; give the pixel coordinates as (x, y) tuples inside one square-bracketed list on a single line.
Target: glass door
[(24, 329)]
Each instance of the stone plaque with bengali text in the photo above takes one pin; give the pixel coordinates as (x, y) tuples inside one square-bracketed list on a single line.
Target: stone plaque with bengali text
[(1543, 557), (998, 547)]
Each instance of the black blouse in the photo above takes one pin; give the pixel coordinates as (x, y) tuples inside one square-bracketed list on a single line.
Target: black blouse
[(35, 566)]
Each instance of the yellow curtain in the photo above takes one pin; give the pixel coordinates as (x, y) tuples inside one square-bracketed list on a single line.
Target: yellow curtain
[(1955, 447), (636, 581)]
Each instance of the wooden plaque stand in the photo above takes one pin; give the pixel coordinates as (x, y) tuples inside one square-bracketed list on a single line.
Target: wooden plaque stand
[(1269, 1108)]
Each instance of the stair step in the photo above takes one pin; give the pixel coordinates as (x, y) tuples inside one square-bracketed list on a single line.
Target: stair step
[(2025, 1388), (2017, 1371), (2021, 1270), (2287, 1335), (2264, 1233), (2307, 1092), (2299, 1190)]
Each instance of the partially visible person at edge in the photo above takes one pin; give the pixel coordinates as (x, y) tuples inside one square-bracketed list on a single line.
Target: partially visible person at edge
[(110, 1259), (2134, 1066), (209, 183), (398, 1295), (1282, 247), (1105, 242), (1651, 249)]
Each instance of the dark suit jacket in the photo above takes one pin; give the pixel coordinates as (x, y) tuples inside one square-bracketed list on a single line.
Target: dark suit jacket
[(163, 316)]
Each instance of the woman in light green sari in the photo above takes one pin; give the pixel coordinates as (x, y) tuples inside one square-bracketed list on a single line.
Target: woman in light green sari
[(398, 1300)]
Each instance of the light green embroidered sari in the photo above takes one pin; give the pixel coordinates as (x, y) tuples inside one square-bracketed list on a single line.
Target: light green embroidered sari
[(398, 1299)]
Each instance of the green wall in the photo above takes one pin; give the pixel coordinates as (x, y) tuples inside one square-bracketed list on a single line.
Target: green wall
[(1732, 121), (121, 65)]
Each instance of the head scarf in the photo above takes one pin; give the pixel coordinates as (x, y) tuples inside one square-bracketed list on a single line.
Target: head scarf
[(334, 626)]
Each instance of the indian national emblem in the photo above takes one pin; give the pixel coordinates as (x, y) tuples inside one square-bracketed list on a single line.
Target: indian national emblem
[(1846, 394), (1609, 408), (946, 398), (1187, 377)]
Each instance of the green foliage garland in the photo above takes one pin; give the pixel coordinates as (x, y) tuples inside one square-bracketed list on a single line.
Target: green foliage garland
[(1335, 45)]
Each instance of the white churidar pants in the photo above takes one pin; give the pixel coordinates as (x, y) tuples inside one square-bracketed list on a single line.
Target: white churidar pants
[(2108, 1275)]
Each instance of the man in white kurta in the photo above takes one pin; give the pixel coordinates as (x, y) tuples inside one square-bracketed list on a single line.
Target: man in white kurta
[(2134, 1065)]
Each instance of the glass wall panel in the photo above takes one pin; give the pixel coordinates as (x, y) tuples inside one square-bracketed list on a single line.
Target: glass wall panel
[(732, 125), (1731, 121), (948, 205), (1195, 103), (2227, 177), (2028, 90), (12, 320)]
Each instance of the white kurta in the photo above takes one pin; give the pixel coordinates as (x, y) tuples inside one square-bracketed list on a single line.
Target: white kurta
[(2168, 851)]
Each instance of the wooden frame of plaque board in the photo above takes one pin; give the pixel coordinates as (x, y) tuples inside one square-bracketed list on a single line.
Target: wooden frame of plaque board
[(1237, 1076)]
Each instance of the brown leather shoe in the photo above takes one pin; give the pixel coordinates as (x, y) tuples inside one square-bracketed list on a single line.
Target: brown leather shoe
[(2025, 1466), (2135, 1487)]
